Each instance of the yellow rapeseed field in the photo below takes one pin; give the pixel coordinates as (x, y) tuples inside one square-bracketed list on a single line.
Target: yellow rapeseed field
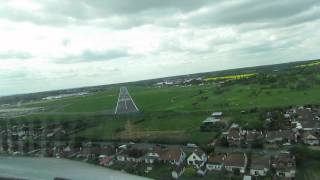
[(308, 65), (231, 77)]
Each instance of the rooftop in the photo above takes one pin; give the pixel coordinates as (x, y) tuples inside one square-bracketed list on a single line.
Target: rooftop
[(235, 159), (216, 159), (260, 162)]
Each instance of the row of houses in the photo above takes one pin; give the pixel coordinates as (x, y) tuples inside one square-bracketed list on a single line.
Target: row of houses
[(236, 136), (282, 164), (175, 157)]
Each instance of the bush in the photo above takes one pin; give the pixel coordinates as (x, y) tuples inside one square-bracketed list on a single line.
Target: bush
[(257, 144), (120, 129), (218, 90), (303, 153), (224, 142), (190, 172), (302, 85), (139, 121)]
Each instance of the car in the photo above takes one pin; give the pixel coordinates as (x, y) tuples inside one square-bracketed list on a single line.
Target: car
[(190, 145), (123, 146), (131, 143)]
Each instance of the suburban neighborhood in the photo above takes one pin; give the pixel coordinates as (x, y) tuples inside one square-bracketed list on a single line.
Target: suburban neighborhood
[(238, 152)]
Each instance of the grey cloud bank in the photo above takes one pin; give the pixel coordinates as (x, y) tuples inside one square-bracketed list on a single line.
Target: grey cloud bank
[(63, 44)]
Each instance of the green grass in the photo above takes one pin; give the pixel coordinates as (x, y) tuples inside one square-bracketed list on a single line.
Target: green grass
[(308, 170), (160, 172), (235, 97), (151, 99), (96, 102), (176, 112), (161, 126), (104, 130)]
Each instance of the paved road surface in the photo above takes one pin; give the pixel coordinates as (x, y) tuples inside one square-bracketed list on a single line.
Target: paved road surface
[(125, 103)]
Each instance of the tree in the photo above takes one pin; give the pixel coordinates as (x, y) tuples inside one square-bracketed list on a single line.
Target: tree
[(257, 144), (302, 85)]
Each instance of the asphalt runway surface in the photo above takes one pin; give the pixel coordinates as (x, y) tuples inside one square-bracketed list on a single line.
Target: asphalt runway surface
[(125, 103)]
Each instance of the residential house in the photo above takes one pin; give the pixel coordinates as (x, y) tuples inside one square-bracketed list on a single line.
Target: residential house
[(106, 161), (281, 136), (151, 156), (197, 158), (68, 152), (284, 165), (260, 165), (310, 138), (310, 125), (308, 119), (252, 136), (234, 136), (236, 162), (178, 171), (131, 155), (215, 162), (96, 152), (171, 155), (304, 114)]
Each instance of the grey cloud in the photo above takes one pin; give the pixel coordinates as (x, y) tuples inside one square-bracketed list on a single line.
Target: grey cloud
[(248, 11), (125, 6), (15, 55), (127, 13), (93, 56), (65, 42), (134, 13)]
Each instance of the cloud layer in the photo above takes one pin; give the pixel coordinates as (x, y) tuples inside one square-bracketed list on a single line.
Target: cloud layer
[(55, 44)]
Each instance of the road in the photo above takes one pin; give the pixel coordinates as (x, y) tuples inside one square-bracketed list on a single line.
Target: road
[(125, 103)]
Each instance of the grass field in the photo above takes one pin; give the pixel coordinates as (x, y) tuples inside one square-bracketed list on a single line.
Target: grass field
[(156, 127), (174, 113), (235, 97), (309, 170), (192, 98), (96, 102)]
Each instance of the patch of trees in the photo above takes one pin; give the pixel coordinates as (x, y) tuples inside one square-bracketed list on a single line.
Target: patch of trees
[(218, 90), (302, 85), (303, 153)]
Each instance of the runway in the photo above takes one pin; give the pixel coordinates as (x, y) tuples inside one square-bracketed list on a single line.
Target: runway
[(125, 103)]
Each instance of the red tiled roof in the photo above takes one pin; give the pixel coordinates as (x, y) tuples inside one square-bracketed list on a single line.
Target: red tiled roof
[(260, 162), (172, 153), (216, 159), (235, 159)]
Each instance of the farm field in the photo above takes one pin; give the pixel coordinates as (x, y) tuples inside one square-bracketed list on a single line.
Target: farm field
[(155, 127), (194, 98), (175, 113), (234, 97)]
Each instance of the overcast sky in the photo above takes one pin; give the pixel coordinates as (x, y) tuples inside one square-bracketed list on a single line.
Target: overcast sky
[(56, 44)]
